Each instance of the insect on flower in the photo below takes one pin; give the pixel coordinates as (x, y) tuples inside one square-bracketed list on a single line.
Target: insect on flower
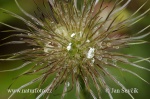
[(77, 41)]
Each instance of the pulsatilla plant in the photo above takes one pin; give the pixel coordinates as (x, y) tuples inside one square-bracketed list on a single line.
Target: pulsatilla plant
[(77, 41)]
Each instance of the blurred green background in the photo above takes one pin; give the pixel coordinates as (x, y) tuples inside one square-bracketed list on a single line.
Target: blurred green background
[(128, 80)]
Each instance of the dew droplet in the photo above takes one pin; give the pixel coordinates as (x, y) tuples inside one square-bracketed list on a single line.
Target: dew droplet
[(57, 74), (106, 69), (107, 90), (69, 46), (114, 62), (29, 34), (87, 41), (33, 49), (93, 60), (105, 61), (14, 54), (73, 34), (21, 38), (85, 79), (83, 6), (118, 82), (41, 63), (100, 45), (100, 58), (116, 47), (33, 18), (108, 44), (80, 34), (64, 77), (75, 70), (68, 84), (37, 23), (90, 53), (123, 69), (49, 91), (110, 56)]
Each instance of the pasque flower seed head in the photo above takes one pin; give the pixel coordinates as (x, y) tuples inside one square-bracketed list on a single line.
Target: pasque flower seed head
[(77, 41)]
